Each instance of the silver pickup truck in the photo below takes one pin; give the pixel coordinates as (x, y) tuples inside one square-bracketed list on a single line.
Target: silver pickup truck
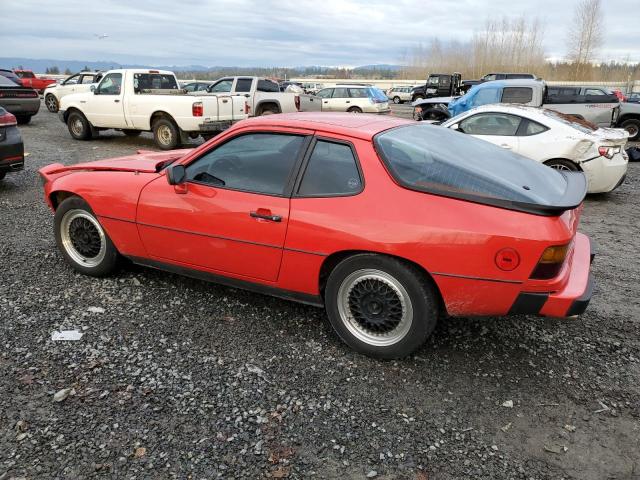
[(264, 96), (603, 109)]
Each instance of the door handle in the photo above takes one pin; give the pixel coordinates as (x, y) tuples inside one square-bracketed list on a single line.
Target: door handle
[(117, 100), (225, 101), (505, 146), (348, 101), (326, 101), (266, 215)]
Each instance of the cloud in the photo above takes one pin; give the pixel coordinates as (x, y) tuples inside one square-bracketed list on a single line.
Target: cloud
[(283, 33)]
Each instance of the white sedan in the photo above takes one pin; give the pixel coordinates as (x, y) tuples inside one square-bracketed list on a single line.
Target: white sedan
[(555, 139)]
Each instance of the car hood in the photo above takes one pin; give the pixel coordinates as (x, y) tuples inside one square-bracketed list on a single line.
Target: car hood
[(145, 161)]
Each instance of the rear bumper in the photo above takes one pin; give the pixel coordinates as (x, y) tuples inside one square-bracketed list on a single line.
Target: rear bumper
[(605, 175), (11, 150), (21, 106), (574, 298), (214, 126)]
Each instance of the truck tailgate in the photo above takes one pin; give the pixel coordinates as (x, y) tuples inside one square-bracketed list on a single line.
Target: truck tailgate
[(222, 107), (310, 103)]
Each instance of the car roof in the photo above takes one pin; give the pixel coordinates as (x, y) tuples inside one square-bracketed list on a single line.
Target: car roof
[(515, 82), (362, 125)]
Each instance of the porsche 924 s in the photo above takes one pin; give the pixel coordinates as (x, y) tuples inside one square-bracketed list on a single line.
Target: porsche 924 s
[(387, 223)]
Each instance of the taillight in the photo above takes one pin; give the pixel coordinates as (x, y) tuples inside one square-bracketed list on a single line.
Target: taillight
[(550, 262), (197, 110), (7, 120), (297, 100), (247, 108), (607, 152)]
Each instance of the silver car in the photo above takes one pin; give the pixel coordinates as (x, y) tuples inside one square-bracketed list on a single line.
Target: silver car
[(354, 99), (399, 94)]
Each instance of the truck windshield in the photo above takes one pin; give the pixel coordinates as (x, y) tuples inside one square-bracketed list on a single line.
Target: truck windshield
[(154, 81), (443, 162)]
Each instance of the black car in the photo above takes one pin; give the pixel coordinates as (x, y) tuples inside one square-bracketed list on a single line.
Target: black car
[(23, 102), (11, 146)]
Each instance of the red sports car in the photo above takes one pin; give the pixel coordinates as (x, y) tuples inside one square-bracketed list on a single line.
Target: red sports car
[(387, 223)]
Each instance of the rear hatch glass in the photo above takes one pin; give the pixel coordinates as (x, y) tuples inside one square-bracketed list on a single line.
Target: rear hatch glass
[(444, 162)]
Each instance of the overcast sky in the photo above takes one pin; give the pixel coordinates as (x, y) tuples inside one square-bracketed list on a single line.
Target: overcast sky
[(279, 33)]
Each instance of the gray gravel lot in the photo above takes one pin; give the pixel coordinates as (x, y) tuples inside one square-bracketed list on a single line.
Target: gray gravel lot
[(176, 378)]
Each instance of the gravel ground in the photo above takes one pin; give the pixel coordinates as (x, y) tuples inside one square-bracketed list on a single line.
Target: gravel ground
[(176, 378)]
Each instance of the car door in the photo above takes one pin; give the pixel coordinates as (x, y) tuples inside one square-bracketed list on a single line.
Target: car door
[(340, 100), (536, 141), (68, 86), (498, 128), (105, 107), (231, 214), (325, 95)]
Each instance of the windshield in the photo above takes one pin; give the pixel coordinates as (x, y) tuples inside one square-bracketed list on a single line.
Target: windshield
[(5, 82), (578, 123), (441, 161)]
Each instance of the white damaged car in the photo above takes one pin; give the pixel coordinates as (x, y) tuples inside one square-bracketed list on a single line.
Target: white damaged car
[(560, 141)]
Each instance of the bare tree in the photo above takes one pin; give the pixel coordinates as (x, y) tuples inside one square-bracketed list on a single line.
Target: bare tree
[(585, 34)]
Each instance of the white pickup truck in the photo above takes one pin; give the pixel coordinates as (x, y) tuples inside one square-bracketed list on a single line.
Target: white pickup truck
[(134, 100), (264, 96)]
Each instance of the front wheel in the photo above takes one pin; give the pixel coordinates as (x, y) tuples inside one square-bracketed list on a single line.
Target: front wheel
[(51, 102), (396, 100), (560, 164), (633, 127), (82, 240), (380, 306), (166, 134), (78, 126)]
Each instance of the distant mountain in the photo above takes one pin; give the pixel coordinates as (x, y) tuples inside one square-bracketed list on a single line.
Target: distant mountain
[(381, 66), (40, 65)]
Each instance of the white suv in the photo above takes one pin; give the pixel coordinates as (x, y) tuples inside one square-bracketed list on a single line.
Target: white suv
[(400, 94), (354, 99)]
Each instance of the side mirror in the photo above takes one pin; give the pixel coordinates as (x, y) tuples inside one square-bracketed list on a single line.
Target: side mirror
[(176, 174), (93, 89)]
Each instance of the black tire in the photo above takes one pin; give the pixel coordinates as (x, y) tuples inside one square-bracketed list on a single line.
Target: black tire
[(132, 133), (79, 126), (269, 111), (397, 100), (79, 240), (417, 97), (382, 299), (561, 164), (632, 126), (23, 119), (2, 175), (354, 110), (51, 102), (166, 133)]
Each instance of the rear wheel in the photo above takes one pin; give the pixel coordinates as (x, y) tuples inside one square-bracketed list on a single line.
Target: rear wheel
[(82, 240), (166, 133), (633, 127), (78, 126), (560, 164), (380, 306), (396, 100), (132, 133), (269, 111), (2, 175), (355, 110), (23, 119), (51, 102)]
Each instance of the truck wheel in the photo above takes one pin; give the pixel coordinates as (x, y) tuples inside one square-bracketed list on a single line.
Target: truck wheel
[(82, 240), (268, 111), (417, 97), (78, 126), (633, 127), (396, 100), (560, 164), (132, 133), (23, 119), (166, 133), (51, 102), (380, 306)]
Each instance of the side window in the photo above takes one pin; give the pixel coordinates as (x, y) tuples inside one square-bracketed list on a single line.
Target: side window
[(223, 86), (594, 91), (332, 170), (267, 86), (256, 162), (517, 95), (531, 128), (490, 77), (86, 79), (243, 85), (110, 84), (485, 96), (491, 124), (358, 93), (190, 87), (326, 93), (340, 93), (72, 80)]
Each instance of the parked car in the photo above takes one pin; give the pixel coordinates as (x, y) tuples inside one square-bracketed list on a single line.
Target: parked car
[(11, 146), (10, 75), (312, 88), (354, 99), (399, 94), (278, 205), (557, 140), (603, 109), (136, 100), (199, 86), (264, 96), (29, 79), (77, 83), (490, 77), (438, 85), (23, 102)]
